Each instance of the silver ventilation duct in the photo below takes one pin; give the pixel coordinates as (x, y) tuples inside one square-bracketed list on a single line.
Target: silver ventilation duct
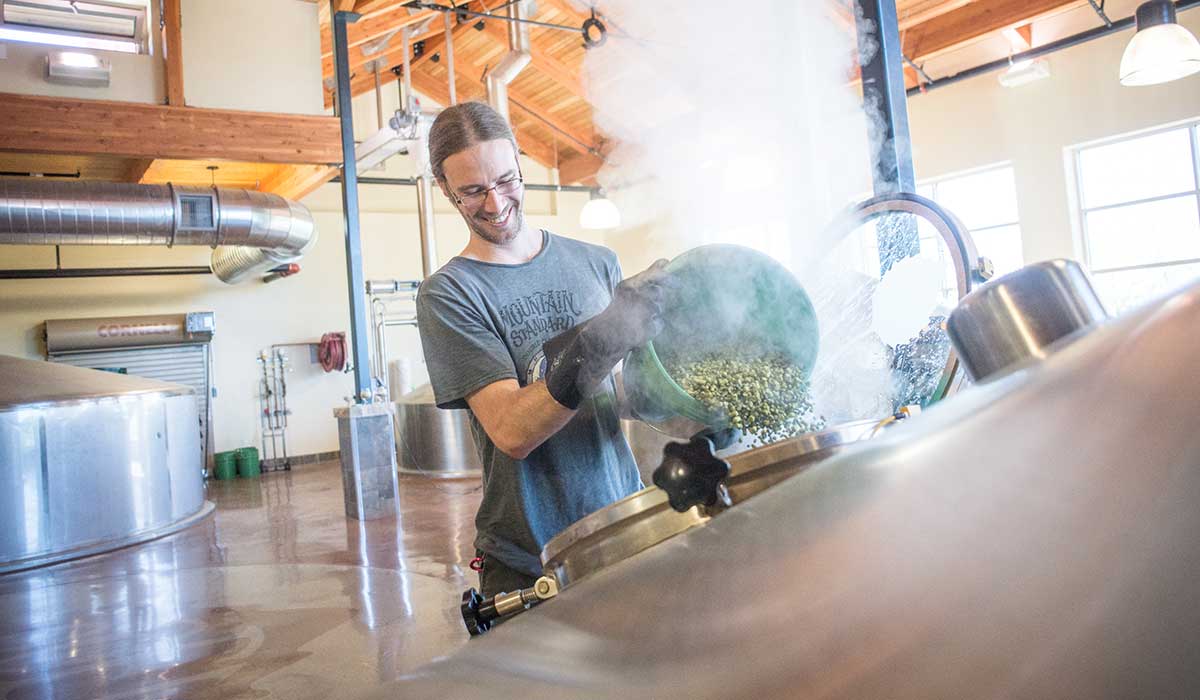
[(514, 61), (250, 232)]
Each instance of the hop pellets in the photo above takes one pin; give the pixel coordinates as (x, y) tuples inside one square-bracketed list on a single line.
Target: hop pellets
[(766, 397)]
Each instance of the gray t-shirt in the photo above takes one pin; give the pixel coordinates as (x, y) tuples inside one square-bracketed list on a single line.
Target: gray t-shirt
[(483, 322)]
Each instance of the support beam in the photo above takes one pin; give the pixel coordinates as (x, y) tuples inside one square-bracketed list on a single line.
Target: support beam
[(37, 124), (137, 169), (974, 21), (884, 94), (298, 181), (471, 88), (173, 51), (433, 45), (1020, 38), (541, 61), (574, 138), (579, 168), (373, 28), (355, 280), (886, 102)]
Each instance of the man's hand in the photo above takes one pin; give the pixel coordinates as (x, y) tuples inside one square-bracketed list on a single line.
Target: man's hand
[(579, 359)]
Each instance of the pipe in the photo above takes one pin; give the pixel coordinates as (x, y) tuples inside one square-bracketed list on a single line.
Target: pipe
[(406, 103), (512, 63), (378, 97), (249, 231), (1045, 50), (427, 225), (101, 272), (450, 56)]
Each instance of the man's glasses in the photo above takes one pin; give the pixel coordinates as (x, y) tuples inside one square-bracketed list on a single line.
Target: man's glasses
[(475, 198)]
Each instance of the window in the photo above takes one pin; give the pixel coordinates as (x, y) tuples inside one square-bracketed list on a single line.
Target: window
[(1139, 201), (110, 25), (986, 203)]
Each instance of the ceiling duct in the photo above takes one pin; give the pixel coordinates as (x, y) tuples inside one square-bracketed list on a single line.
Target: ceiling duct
[(249, 231), (513, 62)]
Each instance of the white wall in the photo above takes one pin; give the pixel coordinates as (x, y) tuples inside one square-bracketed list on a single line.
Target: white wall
[(135, 77), (260, 56), (979, 122)]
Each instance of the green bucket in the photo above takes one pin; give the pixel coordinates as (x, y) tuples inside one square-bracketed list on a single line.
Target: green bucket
[(247, 461), (225, 465), (732, 298)]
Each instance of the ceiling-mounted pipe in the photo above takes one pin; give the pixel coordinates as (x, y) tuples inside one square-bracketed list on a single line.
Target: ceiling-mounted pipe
[(450, 56), (426, 224), (514, 61), (249, 231), (71, 273), (406, 100)]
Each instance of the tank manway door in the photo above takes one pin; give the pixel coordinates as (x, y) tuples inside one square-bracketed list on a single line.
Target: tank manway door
[(168, 347)]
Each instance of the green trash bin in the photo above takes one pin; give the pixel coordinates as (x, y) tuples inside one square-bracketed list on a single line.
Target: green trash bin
[(225, 465), (247, 462)]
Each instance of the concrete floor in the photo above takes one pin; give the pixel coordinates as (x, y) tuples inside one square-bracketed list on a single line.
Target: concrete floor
[(278, 595)]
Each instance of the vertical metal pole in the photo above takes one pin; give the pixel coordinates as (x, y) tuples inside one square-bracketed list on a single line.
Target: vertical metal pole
[(450, 54), (426, 223), (354, 264), (379, 123), (885, 96), (885, 101)]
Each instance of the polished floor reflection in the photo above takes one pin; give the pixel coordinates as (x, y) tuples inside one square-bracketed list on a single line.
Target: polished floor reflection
[(279, 595)]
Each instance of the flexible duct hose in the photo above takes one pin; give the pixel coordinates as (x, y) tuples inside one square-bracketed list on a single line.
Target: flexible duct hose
[(331, 352)]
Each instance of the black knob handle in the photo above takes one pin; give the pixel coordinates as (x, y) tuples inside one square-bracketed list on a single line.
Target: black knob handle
[(478, 613), (691, 474)]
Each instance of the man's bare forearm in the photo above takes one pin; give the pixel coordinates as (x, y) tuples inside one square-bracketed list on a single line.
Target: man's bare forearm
[(518, 419)]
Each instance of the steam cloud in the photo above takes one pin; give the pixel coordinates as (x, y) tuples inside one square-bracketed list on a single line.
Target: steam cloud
[(739, 123)]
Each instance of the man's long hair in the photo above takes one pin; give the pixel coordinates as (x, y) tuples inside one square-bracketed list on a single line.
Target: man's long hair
[(459, 127)]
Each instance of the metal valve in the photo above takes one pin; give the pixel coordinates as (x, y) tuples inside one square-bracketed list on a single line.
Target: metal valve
[(480, 614), (692, 474)]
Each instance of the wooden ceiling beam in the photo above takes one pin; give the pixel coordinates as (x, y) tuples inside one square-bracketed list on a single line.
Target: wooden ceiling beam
[(909, 19), (537, 150), (579, 169), (173, 46), (365, 82), (137, 169), (37, 124), (975, 21), (541, 61), (297, 181), (565, 7), (368, 28), (576, 140)]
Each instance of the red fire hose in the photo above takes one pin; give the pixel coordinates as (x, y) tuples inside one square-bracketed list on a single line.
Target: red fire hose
[(331, 352)]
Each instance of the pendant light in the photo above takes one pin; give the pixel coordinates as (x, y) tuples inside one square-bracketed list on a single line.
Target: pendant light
[(599, 212), (1161, 50)]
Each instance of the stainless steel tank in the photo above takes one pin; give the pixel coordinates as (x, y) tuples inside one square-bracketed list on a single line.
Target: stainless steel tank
[(92, 461), (434, 442), (644, 519), (1033, 537)]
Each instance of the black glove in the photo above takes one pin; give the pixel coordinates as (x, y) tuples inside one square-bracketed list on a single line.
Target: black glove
[(578, 360)]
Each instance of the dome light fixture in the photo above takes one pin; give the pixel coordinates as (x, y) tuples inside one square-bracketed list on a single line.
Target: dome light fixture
[(599, 212), (1161, 50)]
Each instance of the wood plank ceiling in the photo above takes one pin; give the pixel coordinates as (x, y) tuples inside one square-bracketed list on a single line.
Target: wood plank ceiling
[(549, 107)]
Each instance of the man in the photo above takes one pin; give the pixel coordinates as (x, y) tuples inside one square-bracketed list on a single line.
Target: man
[(524, 327)]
